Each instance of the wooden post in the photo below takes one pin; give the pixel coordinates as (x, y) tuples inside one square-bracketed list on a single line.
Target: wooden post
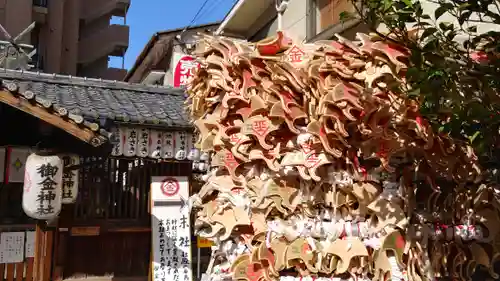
[(44, 240), (150, 271), (38, 252)]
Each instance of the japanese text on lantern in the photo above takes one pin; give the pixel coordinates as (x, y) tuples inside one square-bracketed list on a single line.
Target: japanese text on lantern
[(143, 143), (168, 145), (131, 142), (47, 193), (68, 178), (181, 145)]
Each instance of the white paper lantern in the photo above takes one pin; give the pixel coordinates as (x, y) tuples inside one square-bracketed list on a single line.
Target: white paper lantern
[(130, 146), (70, 179), (42, 193)]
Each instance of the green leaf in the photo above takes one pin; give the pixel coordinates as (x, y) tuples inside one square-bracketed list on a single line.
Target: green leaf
[(474, 136), (464, 17), (472, 29), (422, 24), (427, 32), (387, 4), (408, 3), (413, 74), (451, 35), (464, 6), (343, 16), (414, 93), (440, 11), (446, 26)]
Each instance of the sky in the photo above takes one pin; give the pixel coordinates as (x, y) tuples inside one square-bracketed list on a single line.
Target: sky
[(146, 17)]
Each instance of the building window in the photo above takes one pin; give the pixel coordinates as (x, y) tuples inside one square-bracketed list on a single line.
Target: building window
[(326, 13), (40, 3)]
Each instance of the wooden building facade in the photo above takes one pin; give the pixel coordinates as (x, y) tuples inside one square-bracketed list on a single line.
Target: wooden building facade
[(123, 135)]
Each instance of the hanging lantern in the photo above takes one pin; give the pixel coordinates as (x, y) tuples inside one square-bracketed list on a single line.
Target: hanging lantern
[(42, 193), (70, 179)]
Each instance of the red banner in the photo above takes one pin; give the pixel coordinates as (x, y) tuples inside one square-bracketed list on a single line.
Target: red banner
[(184, 70)]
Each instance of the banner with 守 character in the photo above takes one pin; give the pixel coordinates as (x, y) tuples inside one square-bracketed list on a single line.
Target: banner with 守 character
[(171, 237)]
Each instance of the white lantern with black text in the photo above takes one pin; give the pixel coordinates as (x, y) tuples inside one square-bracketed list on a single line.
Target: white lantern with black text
[(70, 179), (42, 193)]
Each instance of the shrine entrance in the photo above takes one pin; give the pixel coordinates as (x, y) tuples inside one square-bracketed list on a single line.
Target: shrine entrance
[(26, 246), (106, 234)]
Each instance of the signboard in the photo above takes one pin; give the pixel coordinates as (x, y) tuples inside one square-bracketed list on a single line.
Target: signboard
[(173, 189), (85, 231), (29, 250), (203, 242), (171, 235), (184, 68), (12, 247), (16, 163)]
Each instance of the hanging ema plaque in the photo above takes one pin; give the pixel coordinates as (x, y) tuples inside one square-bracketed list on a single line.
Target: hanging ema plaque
[(42, 192)]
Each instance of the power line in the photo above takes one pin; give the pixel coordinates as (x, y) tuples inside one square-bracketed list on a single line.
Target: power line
[(195, 16), (300, 19), (210, 9)]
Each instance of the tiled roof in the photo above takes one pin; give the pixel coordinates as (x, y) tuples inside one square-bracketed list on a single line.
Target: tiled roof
[(99, 100)]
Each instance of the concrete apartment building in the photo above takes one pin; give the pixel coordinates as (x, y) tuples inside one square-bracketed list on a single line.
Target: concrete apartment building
[(308, 20), (157, 62), (73, 37), (304, 20)]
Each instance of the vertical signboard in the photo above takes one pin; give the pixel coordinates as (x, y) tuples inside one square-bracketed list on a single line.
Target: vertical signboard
[(11, 247), (171, 235), (184, 67)]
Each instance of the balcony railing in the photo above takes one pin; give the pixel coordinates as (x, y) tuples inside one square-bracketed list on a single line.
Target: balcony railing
[(112, 40), (95, 9), (40, 3)]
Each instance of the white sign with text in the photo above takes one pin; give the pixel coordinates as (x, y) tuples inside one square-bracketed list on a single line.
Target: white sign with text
[(171, 235)]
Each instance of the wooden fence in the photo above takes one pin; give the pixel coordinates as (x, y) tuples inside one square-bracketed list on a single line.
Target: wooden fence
[(22, 271), (113, 196)]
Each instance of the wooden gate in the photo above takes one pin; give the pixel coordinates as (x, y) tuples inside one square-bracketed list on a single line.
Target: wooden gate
[(113, 203)]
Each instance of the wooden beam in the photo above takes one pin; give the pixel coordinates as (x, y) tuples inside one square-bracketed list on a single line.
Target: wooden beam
[(42, 114)]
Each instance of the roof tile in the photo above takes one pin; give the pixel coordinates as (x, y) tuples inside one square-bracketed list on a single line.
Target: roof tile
[(114, 100)]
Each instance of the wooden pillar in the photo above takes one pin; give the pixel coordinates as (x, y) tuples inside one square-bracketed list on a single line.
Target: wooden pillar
[(58, 256), (44, 242)]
